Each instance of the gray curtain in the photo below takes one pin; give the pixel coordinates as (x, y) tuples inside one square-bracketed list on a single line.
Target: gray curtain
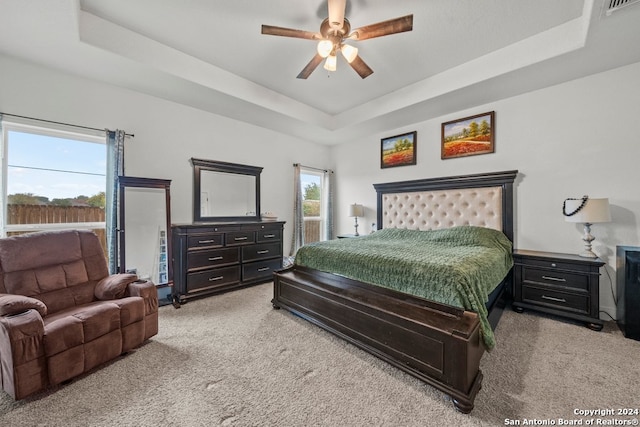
[(115, 168), (297, 240), (327, 204)]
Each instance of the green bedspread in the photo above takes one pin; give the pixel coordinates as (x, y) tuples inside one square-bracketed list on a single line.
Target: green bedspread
[(459, 266)]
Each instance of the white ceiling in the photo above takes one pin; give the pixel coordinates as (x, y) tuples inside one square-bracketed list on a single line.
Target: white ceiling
[(209, 54)]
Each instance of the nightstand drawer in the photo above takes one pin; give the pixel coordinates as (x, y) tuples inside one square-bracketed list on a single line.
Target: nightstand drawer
[(553, 298), (555, 264), (556, 278)]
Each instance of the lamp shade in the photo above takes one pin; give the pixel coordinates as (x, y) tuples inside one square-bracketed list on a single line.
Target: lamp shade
[(330, 63), (324, 48), (356, 210), (594, 210), (349, 52)]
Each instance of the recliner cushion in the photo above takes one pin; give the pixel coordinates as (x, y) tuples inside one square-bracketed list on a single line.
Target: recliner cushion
[(98, 320), (79, 325), (131, 310), (62, 334)]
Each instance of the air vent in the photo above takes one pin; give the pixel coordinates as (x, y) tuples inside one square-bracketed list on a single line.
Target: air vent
[(610, 6)]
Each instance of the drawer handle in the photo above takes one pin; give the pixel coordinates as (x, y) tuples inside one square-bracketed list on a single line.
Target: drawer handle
[(215, 258), (554, 299), (240, 238), (264, 269), (266, 251), (269, 236), (555, 279), (213, 279), (201, 242)]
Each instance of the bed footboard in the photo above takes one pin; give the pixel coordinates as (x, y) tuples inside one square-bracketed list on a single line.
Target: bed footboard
[(436, 343)]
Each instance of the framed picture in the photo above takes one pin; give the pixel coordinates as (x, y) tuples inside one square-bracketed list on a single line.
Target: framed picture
[(399, 150), (468, 136)]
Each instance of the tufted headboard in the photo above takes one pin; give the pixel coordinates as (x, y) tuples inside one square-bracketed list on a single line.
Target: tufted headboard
[(484, 200)]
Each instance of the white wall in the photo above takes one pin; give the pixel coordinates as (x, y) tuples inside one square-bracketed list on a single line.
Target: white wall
[(167, 134), (569, 140)]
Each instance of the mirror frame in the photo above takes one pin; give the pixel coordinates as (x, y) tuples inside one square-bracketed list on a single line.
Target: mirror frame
[(130, 181), (200, 165)]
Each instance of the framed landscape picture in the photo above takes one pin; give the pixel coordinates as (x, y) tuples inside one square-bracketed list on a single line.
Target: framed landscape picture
[(468, 136), (399, 150)]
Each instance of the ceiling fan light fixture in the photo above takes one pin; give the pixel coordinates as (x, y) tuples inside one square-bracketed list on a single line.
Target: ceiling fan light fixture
[(349, 52), (324, 48), (335, 30), (330, 63)]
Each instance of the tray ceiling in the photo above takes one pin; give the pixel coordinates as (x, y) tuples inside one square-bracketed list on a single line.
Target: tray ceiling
[(210, 55)]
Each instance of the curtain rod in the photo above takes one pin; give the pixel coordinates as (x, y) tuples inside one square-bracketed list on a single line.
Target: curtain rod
[(315, 169), (61, 123)]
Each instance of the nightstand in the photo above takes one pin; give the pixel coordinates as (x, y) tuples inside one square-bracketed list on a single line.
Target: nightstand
[(559, 284)]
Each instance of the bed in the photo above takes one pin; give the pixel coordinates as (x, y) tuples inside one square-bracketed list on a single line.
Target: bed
[(438, 343)]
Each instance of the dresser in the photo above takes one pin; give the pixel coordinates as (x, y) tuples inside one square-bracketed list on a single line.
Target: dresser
[(560, 284), (216, 257)]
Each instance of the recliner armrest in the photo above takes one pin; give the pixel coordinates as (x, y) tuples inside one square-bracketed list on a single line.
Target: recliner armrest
[(21, 337), (147, 290), (11, 304), (114, 286)]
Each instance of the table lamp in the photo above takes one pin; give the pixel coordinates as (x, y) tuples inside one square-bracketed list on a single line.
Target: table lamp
[(587, 211), (356, 210)]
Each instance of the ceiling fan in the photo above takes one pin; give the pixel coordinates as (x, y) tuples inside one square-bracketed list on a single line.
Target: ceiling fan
[(335, 31)]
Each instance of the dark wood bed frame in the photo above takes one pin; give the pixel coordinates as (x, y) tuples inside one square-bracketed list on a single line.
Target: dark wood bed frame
[(436, 343)]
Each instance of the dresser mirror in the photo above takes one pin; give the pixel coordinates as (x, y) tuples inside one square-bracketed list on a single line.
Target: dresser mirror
[(225, 191), (144, 226)]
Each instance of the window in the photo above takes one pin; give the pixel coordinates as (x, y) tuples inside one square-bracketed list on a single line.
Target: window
[(51, 179), (313, 211)]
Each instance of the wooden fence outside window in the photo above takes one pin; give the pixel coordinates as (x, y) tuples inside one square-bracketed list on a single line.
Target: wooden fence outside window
[(47, 214)]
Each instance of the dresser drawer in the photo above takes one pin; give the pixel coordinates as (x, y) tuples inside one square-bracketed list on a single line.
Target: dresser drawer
[(260, 269), (241, 238), (262, 251), (214, 278), (212, 258), (556, 278), (268, 235), (552, 298), (205, 241)]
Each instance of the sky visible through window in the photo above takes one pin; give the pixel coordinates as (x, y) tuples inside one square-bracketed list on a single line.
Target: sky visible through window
[(307, 179), (55, 168)]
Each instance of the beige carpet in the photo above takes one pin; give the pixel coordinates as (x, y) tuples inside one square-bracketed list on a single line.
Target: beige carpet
[(232, 360)]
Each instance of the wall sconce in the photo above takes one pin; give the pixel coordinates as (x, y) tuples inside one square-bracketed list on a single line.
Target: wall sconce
[(356, 210), (587, 211)]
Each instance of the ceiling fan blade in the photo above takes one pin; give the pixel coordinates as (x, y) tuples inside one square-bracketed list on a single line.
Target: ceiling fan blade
[(392, 26), (289, 32), (312, 65), (361, 67)]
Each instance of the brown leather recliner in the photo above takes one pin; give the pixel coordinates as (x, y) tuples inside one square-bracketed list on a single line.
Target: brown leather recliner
[(61, 313)]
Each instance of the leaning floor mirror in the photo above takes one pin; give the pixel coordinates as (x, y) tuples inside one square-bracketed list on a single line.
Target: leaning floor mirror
[(144, 226)]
